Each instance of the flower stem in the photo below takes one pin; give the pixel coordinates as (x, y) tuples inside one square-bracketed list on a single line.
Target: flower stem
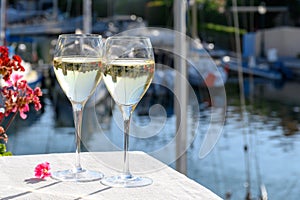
[(10, 121)]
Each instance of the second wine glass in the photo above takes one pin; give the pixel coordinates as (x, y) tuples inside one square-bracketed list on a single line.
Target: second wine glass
[(127, 71), (77, 62)]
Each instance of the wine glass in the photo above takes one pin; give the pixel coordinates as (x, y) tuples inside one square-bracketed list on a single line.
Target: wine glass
[(127, 71), (77, 61)]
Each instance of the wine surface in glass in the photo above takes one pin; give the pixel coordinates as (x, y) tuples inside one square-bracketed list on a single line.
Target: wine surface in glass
[(128, 79), (78, 76)]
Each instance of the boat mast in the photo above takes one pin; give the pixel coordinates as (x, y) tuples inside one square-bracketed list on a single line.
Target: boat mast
[(2, 22), (242, 99), (87, 16), (180, 106), (55, 9), (194, 20)]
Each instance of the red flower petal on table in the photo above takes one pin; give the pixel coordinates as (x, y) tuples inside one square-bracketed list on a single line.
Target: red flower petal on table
[(42, 170)]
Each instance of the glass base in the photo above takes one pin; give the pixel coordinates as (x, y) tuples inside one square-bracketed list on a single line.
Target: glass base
[(78, 176), (126, 181)]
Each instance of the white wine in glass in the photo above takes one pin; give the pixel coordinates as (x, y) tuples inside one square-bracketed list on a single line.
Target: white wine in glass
[(127, 80), (77, 62), (127, 71)]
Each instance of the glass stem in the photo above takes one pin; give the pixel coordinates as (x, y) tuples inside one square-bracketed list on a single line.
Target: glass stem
[(77, 113), (126, 112)]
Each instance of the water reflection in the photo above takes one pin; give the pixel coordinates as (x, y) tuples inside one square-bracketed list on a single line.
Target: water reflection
[(272, 140)]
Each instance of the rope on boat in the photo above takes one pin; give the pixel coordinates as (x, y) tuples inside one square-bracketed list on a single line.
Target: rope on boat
[(245, 119)]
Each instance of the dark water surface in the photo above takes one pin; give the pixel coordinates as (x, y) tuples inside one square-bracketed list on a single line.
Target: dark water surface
[(262, 149)]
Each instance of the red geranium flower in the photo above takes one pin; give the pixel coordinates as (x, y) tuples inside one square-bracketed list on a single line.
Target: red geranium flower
[(16, 94), (42, 170)]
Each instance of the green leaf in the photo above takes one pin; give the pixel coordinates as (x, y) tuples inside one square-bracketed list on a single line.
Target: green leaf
[(2, 148), (7, 154)]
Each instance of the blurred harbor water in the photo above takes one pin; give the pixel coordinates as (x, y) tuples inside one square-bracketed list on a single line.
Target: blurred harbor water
[(264, 149)]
